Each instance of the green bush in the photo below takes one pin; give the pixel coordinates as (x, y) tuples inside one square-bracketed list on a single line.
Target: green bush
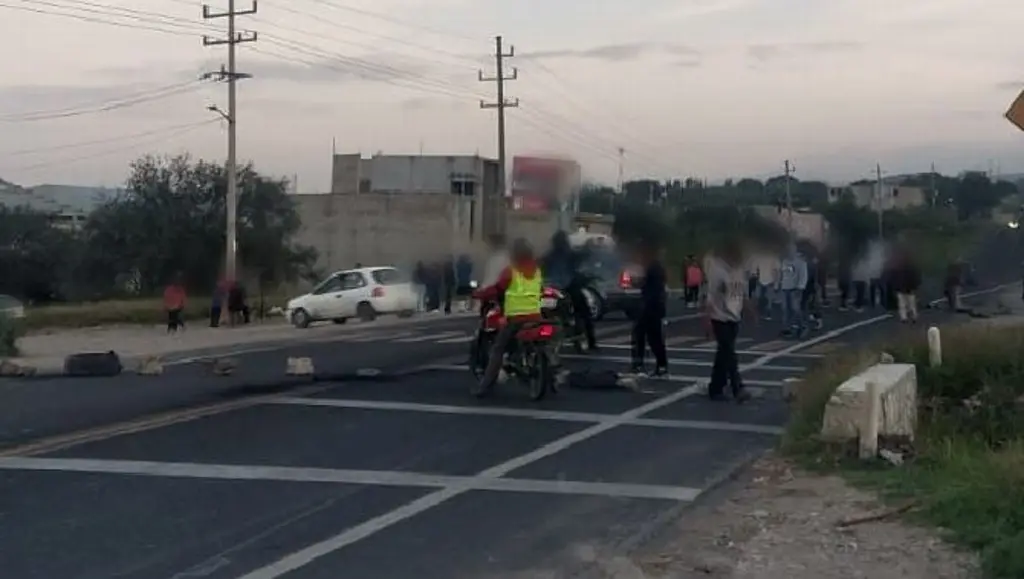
[(967, 470), (10, 331)]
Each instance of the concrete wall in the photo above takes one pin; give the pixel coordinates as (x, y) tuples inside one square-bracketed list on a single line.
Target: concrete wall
[(806, 225), (384, 229), (893, 196)]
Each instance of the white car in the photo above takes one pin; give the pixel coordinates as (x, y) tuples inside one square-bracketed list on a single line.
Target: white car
[(362, 293), (11, 307)]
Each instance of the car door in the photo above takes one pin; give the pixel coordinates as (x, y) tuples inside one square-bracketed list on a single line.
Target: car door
[(354, 289), (325, 302)]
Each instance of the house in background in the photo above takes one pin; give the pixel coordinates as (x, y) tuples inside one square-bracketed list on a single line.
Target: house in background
[(893, 195), (67, 205)]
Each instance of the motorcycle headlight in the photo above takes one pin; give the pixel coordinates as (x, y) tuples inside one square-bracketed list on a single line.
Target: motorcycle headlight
[(473, 284)]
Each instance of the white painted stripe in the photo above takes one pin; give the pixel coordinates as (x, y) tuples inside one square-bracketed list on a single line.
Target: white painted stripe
[(373, 526), (520, 413), (381, 336), (672, 362), (458, 340), (695, 350), (669, 378), (428, 337), (342, 476)]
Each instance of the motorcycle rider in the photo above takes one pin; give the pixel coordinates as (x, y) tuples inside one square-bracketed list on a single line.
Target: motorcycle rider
[(562, 268), (519, 288)]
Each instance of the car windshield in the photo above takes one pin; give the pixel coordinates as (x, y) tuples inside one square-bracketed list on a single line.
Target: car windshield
[(603, 264), (389, 276)]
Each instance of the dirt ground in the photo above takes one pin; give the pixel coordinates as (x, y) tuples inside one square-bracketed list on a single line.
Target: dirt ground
[(781, 523)]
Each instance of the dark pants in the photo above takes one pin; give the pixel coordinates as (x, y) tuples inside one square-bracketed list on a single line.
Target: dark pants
[(214, 316), (174, 320), (649, 330), (449, 290), (844, 292), (860, 291), (877, 292), (497, 356), (726, 368), (582, 311), (692, 293)]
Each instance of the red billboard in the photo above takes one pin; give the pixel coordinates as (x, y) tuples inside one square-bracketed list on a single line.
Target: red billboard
[(543, 184)]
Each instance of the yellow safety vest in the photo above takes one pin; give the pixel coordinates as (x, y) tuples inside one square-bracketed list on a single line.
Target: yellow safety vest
[(522, 298)]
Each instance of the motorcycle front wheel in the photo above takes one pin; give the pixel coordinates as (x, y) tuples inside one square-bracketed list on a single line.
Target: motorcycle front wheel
[(479, 356)]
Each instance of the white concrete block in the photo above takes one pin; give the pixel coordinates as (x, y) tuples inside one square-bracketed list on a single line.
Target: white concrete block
[(844, 413), (299, 367)]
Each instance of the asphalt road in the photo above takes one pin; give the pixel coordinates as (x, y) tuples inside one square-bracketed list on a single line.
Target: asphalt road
[(402, 476)]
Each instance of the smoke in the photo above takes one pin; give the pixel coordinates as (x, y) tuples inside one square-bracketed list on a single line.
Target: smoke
[(870, 264)]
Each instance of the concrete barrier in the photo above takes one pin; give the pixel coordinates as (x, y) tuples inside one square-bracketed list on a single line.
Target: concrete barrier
[(897, 391), (299, 367)]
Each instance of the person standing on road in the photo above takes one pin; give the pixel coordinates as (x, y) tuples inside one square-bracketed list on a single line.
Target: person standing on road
[(693, 278), (792, 282), (766, 266), (649, 326), (448, 283), (174, 304), (904, 281), (953, 283), (727, 301), (562, 268), (419, 280), (844, 277)]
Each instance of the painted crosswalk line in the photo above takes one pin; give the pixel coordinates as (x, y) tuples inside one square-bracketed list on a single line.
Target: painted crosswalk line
[(771, 346)]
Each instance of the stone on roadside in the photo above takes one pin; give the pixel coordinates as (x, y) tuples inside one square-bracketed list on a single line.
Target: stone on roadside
[(789, 389), (9, 369), (299, 367), (150, 366), (886, 358)]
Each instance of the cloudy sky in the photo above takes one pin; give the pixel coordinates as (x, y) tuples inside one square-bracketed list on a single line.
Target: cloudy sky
[(708, 88)]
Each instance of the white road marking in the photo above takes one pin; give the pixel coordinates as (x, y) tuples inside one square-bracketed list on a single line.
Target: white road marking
[(673, 362), (373, 526), (457, 340), (670, 378), (698, 350), (428, 337), (518, 413), (344, 476), (382, 336)]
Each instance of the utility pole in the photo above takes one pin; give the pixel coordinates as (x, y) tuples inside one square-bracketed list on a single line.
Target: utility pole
[(789, 195), (881, 211), (935, 192), (622, 161), (231, 76), (501, 103)]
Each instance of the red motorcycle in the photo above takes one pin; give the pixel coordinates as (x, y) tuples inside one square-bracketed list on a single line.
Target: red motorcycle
[(528, 357)]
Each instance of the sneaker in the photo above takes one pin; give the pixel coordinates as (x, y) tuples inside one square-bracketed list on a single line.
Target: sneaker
[(637, 370), (660, 372)]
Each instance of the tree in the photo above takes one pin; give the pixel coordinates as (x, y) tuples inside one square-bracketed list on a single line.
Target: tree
[(35, 256), (172, 219)]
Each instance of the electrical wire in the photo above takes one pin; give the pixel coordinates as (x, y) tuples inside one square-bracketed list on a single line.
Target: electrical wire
[(161, 134), (133, 24), (121, 103), (89, 143)]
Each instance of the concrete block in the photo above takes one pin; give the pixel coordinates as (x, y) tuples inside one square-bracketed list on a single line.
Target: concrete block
[(10, 369), (844, 413), (150, 366), (299, 367), (222, 366)]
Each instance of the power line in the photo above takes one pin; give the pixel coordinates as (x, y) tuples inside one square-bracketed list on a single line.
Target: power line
[(398, 21), (115, 104), (231, 77), (131, 24), (162, 136), (128, 137)]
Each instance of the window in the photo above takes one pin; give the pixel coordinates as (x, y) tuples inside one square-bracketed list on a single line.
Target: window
[(364, 185), (329, 285), (389, 276), (352, 280)]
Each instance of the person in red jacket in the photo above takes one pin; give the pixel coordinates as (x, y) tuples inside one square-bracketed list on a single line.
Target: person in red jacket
[(519, 289)]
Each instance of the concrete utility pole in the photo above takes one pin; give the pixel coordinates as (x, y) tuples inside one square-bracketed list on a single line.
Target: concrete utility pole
[(935, 192), (789, 195), (502, 103), (881, 209), (231, 75), (622, 161)]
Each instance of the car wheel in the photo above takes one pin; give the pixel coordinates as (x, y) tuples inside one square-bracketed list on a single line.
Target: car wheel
[(301, 319), (339, 320), (594, 303), (406, 313), (366, 312)]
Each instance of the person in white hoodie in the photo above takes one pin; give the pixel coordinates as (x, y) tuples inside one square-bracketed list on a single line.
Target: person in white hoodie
[(498, 259)]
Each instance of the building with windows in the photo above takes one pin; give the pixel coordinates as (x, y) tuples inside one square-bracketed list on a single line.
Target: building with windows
[(894, 196)]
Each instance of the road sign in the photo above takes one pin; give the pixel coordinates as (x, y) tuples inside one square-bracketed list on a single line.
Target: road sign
[(1016, 113)]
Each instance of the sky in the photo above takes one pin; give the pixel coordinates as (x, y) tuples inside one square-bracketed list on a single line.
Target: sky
[(705, 88)]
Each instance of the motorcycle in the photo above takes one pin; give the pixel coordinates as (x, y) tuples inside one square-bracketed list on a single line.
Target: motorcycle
[(528, 357), (558, 307)]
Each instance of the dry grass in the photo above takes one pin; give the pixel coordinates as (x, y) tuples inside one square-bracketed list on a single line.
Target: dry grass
[(143, 311), (967, 474)]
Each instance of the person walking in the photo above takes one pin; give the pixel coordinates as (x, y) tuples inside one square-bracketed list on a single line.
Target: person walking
[(693, 278), (448, 283), (792, 282), (174, 304), (419, 280), (727, 301), (648, 328), (844, 277)]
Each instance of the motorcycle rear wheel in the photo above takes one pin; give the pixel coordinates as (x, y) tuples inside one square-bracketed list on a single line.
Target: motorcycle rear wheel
[(541, 377)]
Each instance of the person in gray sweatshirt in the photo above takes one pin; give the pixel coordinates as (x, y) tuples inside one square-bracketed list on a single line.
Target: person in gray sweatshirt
[(792, 282)]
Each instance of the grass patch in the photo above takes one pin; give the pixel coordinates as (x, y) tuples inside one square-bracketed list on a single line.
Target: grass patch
[(144, 311), (967, 472)]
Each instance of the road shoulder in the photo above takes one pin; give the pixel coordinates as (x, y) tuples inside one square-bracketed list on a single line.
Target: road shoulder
[(777, 521)]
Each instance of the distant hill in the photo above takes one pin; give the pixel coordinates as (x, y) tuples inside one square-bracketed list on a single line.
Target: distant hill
[(56, 199)]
